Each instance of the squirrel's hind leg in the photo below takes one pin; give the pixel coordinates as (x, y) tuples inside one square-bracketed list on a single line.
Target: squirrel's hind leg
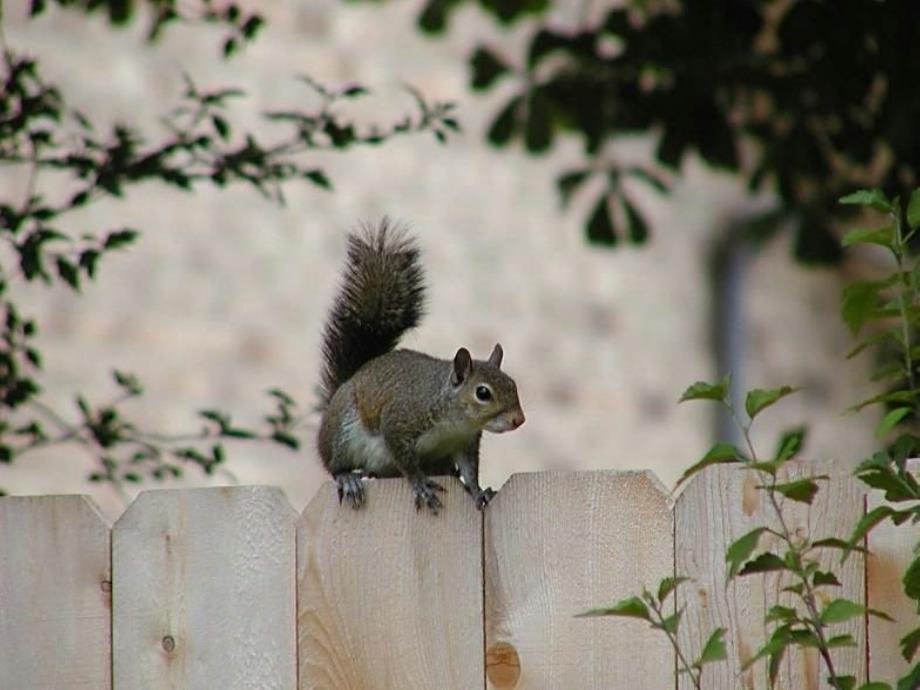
[(350, 487)]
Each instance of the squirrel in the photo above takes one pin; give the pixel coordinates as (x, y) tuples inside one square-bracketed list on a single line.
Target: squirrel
[(390, 412)]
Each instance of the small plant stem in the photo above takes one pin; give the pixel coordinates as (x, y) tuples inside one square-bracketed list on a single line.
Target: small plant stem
[(695, 676), (906, 289), (808, 593)]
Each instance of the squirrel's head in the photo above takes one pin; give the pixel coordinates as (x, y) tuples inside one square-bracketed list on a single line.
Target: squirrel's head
[(488, 395)]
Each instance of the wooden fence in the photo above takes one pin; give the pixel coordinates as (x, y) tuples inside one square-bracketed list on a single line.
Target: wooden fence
[(229, 588)]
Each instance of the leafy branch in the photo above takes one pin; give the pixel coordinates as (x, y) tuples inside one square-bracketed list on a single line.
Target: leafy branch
[(808, 624), (199, 145), (651, 608), (889, 308)]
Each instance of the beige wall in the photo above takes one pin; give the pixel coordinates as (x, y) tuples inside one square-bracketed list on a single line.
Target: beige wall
[(225, 294)]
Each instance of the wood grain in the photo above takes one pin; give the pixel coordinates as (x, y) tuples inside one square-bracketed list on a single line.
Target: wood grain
[(55, 594), (718, 506), (891, 550), (204, 591), (388, 597), (558, 543)]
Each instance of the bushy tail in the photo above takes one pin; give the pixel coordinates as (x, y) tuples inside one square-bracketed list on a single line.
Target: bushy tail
[(382, 296)]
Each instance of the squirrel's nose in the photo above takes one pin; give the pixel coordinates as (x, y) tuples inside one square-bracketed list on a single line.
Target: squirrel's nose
[(517, 420)]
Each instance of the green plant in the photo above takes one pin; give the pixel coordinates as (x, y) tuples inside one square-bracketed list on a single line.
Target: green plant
[(651, 608), (885, 313), (807, 622), (199, 145)]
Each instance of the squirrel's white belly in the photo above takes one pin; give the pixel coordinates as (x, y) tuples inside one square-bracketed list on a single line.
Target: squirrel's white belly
[(362, 447)]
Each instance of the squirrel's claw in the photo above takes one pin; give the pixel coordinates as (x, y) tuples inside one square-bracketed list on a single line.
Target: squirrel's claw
[(425, 492), (350, 486)]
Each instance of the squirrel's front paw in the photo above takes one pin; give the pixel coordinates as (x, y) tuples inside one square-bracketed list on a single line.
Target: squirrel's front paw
[(350, 487), (483, 497), (425, 492)]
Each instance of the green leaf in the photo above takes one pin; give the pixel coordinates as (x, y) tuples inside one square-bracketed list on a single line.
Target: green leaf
[(840, 611), (631, 607), (845, 640), (868, 197), (913, 209), (874, 685), (487, 68), (910, 643), (286, 439), (707, 391), (668, 585), (842, 682), (790, 443), (221, 126), (719, 454), (822, 577), (911, 580), (68, 273), (857, 306), (912, 680), (759, 399), (785, 614), (893, 396), (120, 238), (871, 341), (505, 124), (714, 649), (882, 236), (319, 178), (801, 490), (866, 523), (891, 419), (671, 623), (600, 229), (741, 549), (569, 183), (764, 563), (638, 228), (888, 475), (880, 614), (538, 131)]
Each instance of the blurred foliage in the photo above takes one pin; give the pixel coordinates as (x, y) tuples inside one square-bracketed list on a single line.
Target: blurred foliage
[(804, 97), (40, 133)]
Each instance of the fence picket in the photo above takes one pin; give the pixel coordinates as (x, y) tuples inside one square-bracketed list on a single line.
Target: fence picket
[(203, 590), (55, 600), (720, 505), (389, 597), (556, 544)]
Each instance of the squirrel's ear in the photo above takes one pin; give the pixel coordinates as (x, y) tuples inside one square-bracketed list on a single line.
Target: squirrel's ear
[(495, 359), (463, 365)]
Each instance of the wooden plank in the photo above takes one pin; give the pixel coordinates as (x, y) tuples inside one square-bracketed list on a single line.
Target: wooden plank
[(55, 594), (890, 552), (717, 507), (388, 597), (556, 544), (203, 590)]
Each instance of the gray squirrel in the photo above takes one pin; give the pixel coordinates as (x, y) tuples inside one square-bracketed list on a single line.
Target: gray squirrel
[(395, 412)]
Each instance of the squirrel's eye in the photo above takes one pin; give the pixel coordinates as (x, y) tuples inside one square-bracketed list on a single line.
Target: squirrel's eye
[(483, 393)]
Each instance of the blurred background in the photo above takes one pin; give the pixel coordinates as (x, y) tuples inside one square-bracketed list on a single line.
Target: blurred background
[(607, 309)]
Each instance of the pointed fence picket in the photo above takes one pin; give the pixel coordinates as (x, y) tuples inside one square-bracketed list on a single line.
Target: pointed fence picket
[(228, 589)]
